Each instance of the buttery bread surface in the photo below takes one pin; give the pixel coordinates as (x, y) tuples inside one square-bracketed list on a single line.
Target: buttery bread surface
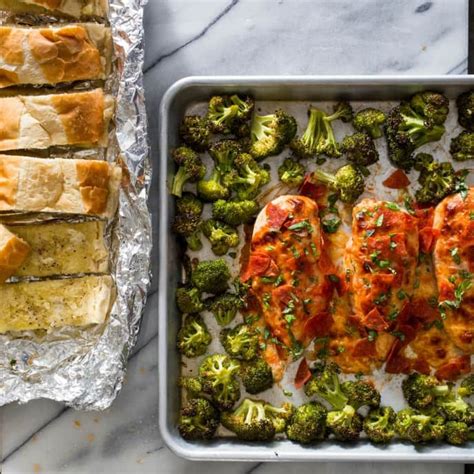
[(74, 8), (54, 54), (42, 121), (62, 248), (58, 186), (55, 303)]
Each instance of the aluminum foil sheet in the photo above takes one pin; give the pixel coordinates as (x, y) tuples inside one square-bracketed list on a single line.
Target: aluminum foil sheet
[(84, 368)]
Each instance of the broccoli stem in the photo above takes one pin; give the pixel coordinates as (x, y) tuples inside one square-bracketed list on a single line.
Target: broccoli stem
[(179, 181), (325, 178), (312, 133)]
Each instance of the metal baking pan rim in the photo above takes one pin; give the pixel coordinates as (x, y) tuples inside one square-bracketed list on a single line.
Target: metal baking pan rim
[(230, 450)]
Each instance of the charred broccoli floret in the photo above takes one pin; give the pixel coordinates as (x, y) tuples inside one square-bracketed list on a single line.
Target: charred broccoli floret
[(308, 423), (455, 408), (224, 307), (437, 180), (370, 121), (223, 154), (345, 424), (188, 226), (421, 390), (417, 427), (465, 104), (188, 300), (193, 337), (194, 131), (291, 172), (270, 133), (466, 388), (462, 146), (241, 342), (235, 212), (457, 433), (360, 394), (247, 177), (256, 375), (408, 128), (280, 416), (227, 112), (198, 420), (360, 149), (318, 137), (253, 420), (211, 276), (348, 182), (379, 425), (434, 107), (191, 168), (189, 204), (213, 188), (221, 236), (192, 386), (324, 382), (218, 373)]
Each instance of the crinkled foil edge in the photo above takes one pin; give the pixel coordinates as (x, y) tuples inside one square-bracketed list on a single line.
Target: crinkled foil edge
[(85, 368)]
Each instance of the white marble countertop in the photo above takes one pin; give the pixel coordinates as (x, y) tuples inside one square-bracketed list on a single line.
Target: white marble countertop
[(193, 37)]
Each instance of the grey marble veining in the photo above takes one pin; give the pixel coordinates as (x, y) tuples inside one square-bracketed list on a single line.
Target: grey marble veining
[(193, 37)]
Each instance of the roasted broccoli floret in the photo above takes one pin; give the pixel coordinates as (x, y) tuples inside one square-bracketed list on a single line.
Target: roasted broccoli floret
[(348, 182), (247, 177), (360, 394), (345, 424), (421, 390), (198, 420), (291, 172), (434, 107), (408, 129), (465, 104), (227, 112), (194, 131), (370, 121), (188, 226), (224, 307), (417, 427), (270, 133), (308, 423), (224, 153), (466, 388), (325, 383), (191, 168), (256, 375), (213, 188), (192, 386), (241, 342), (221, 236), (189, 204), (360, 149), (218, 373), (249, 421), (462, 146), (193, 337), (188, 300), (235, 212), (457, 433), (455, 408), (306, 146), (280, 416), (318, 137), (211, 276), (437, 180), (379, 425)]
